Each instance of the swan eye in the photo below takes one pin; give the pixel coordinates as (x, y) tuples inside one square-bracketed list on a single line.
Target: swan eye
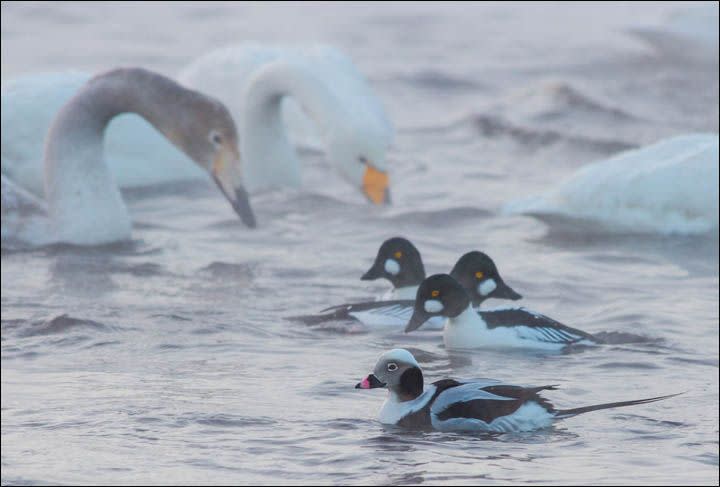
[(362, 160), (216, 138), (479, 274), (392, 367)]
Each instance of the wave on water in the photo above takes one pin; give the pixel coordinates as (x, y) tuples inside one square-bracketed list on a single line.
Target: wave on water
[(437, 80), (54, 326), (445, 216), (492, 126)]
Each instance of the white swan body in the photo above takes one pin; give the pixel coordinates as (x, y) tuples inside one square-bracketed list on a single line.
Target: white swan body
[(668, 187), (135, 152)]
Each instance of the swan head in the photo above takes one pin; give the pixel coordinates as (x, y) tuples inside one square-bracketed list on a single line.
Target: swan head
[(360, 158), (210, 138)]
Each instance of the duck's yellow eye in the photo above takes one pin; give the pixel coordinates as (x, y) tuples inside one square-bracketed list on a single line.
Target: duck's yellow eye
[(479, 274), (398, 254), (435, 294)]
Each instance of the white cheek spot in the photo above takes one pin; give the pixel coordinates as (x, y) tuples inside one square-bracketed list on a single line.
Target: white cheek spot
[(486, 287), (392, 267), (433, 306)]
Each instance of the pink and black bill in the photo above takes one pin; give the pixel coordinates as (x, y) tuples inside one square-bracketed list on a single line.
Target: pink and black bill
[(370, 382)]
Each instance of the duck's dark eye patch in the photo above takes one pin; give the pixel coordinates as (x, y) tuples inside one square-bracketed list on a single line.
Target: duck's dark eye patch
[(362, 160), (217, 139), (392, 367)]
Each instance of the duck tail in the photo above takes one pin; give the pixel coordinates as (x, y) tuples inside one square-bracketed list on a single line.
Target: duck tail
[(567, 413)]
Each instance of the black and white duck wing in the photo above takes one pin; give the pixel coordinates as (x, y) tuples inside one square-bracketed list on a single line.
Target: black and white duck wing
[(534, 326), (490, 406), (372, 313)]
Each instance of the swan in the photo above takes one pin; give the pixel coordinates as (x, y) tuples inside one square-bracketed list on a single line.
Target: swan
[(270, 92), (260, 84), (668, 187), (29, 106), (82, 204)]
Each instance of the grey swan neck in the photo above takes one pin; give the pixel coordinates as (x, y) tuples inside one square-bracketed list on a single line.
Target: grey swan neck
[(269, 157), (84, 203)]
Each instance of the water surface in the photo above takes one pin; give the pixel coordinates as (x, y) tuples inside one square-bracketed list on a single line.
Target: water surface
[(168, 359)]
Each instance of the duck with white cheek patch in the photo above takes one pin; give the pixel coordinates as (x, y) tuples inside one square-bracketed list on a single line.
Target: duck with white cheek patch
[(478, 274), (441, 295), (399, 261), (448, 405)]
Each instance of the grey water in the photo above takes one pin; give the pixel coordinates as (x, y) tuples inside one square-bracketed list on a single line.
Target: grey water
[(168, 359)]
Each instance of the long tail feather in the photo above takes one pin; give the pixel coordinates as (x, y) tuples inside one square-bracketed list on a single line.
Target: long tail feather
[(566, 413)]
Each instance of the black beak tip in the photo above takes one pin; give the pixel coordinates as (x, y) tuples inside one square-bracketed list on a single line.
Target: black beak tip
[(248, 220), (243, 209), (358, 386)]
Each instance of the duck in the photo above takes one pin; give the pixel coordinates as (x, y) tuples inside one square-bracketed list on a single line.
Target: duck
[(465, 328), (82, 204), (485, 405), (260, 85), (400, 262)]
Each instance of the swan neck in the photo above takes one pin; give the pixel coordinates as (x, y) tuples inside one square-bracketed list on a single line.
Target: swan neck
[(77, 180), (266, 149)]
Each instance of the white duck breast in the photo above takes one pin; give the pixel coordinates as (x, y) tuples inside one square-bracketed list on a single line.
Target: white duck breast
[(510, 327), (394, 410)]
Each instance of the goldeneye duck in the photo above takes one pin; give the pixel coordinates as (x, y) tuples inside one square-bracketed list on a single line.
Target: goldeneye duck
[(398, 261), (395, 311), (441, 295), (477, 273), (450, 405)]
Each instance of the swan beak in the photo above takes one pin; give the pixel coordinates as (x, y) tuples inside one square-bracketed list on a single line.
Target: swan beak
[(376, 185), (226, 174)]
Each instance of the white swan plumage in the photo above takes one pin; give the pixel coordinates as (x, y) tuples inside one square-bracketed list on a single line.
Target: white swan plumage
[(321, 81), (310, 87), (669, 187), (82, 203)]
